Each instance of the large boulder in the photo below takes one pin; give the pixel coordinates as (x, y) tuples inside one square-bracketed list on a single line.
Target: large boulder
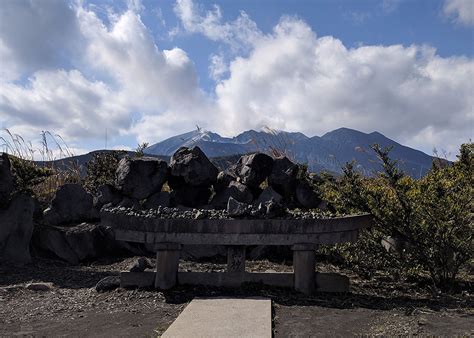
[(16, 228), (268, 194), (283, 177), (74, 244), (306, 195), (71, 204), (6, 179), (190, 166), (236, 190), (223, 180), (253, 169), (237, 209), (141, 177)]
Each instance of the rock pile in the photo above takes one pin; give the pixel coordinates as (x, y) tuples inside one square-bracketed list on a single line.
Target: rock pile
[(16, 217), (194, 182)]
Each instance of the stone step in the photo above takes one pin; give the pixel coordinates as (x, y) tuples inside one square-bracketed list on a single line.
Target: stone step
[(224, 317)]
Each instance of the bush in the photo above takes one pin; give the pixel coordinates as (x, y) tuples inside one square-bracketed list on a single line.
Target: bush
[(430, 219), (101, 169)]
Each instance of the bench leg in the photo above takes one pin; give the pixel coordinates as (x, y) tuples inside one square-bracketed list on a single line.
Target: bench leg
[(236, 258), (304, 259), (167, 262)]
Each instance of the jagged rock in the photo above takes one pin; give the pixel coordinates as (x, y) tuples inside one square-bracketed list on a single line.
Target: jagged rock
[(274, 209), (306, 195), (161, 198), (141, 177), (236, 190), (16, 228), (74, 244), (39, 286), (140, 265), (283, 177), (70, 204), (236, 208), (6, 179), (108, 283), (253, 169), (191, 196), (268, 194), (106, 194), (191, 166), (223, 180)]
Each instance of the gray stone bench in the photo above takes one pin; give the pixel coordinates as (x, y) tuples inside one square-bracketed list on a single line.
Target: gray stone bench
[(168, 235)]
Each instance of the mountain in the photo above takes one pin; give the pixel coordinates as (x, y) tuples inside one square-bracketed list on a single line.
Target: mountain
[(326, 153)]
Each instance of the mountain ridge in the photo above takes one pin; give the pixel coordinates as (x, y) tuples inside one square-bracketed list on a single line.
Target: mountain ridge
[(328, 152)]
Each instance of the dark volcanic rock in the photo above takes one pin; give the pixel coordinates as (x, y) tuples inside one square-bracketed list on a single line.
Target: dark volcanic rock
[(268, 194), (141, 177), (191, 196), (16, 228), (191, 166), (108, 283), (162, 198), (237, 209), (283, 177), (6, 179), (74, 244), (140, 265), (71, 204), (253, 169), (223, 180), (107, 194), (236, 190), (306, 195)]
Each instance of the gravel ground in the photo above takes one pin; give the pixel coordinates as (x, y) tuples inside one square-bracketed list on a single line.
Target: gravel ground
[(72, 306)]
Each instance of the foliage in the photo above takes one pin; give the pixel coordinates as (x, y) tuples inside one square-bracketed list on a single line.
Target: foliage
[(101, 169), (40, 180), (429, 221), (140, 151)]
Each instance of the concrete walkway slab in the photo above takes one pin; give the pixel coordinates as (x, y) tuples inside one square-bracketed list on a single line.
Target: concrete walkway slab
[(224, 317)]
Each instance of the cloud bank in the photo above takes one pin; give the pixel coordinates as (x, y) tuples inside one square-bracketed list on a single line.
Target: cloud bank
[(117, 77)]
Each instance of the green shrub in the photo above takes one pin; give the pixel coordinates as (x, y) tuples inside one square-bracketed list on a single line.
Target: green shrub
[(101, 169), (431, 218)]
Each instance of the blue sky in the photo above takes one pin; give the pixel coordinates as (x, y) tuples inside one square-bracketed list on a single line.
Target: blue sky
[(147, 70)]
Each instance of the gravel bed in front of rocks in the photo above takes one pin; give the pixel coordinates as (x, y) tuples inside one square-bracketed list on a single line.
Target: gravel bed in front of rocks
[(254, 212)]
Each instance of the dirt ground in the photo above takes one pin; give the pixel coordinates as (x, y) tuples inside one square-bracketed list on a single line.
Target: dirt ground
[(72, 307)]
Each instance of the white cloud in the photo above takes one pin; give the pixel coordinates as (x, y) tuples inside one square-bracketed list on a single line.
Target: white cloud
[(35, 34), (239, 34), (294, 80), (217, 67), (142, 83), (461, 11), (64, 102)]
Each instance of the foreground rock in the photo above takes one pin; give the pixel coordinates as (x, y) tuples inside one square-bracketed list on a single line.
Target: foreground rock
[(306, 195), (16, 228), (283, 177), (141, 177), (141, 265), (108, 283), (253, 169), (71, 204), (106, 194), (191, 166), (6, 179), (236, 190), (74, 244)]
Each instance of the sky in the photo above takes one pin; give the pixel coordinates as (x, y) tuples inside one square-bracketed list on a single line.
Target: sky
[(117, 73)]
